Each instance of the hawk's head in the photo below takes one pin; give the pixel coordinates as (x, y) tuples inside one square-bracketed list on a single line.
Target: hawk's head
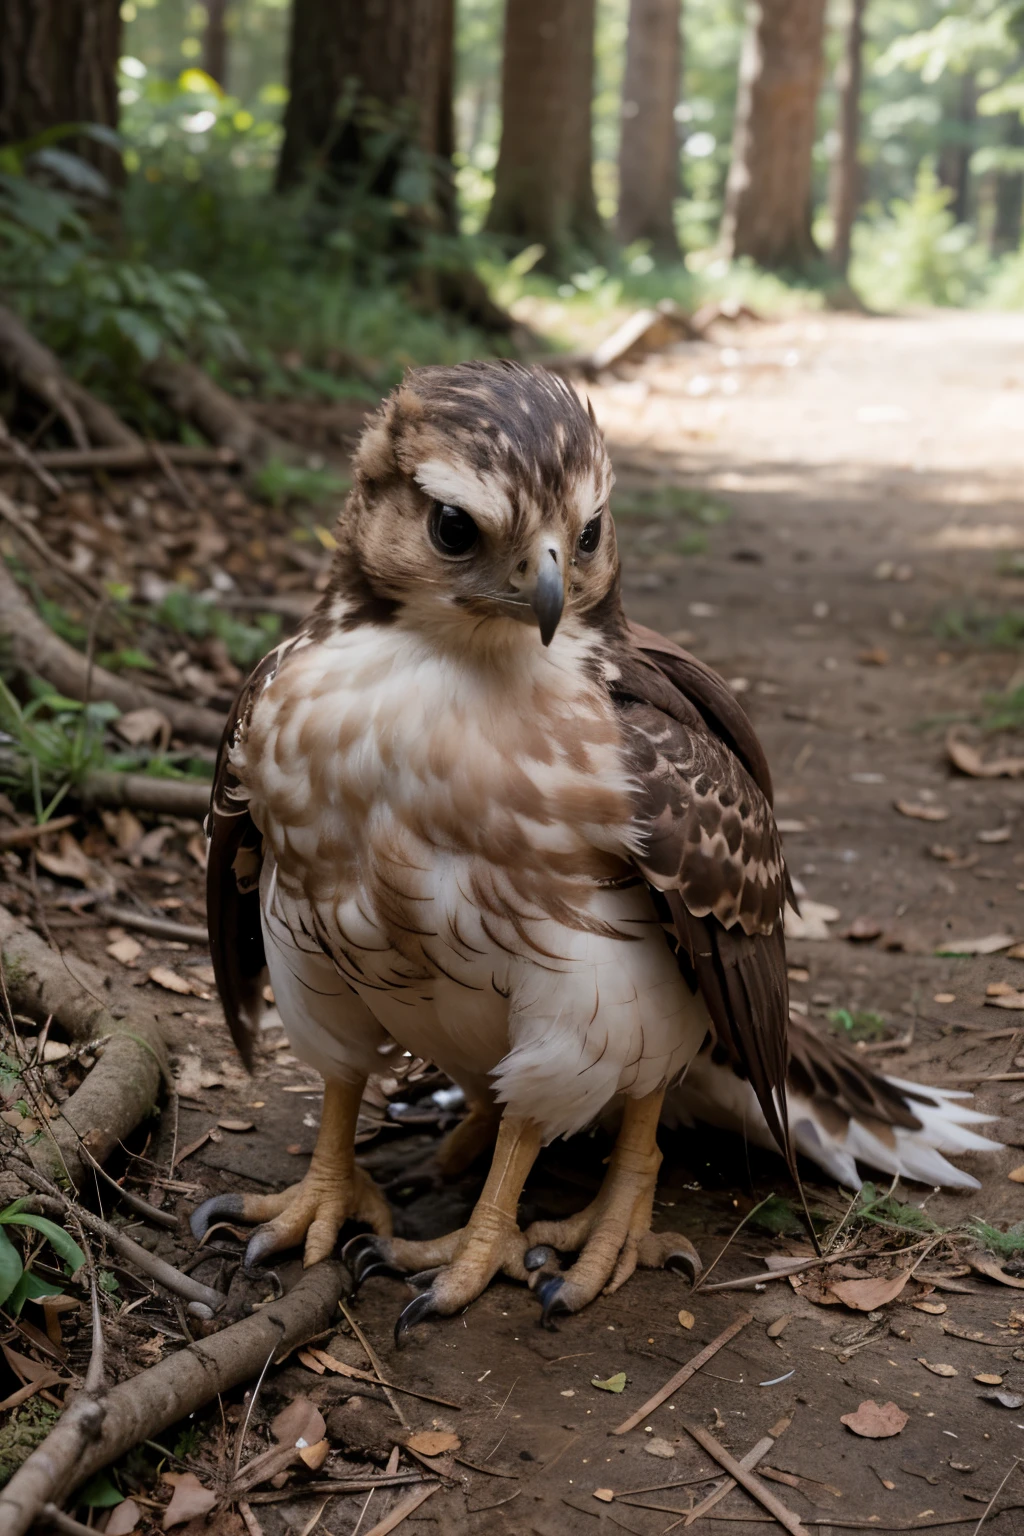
[(480, 500)]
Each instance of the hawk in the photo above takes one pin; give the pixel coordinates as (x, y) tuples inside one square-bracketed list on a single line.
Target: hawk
[(470, 808)]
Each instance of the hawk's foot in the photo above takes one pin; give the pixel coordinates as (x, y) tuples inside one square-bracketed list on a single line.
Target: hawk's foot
[(333, 1191), (613, 1234), (454, 1269)]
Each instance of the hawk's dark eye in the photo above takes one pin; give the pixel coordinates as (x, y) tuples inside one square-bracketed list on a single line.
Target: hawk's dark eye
[(452, 531), (590, 538)]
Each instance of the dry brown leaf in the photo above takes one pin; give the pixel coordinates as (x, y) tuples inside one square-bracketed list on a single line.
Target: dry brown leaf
[(656, 1446), (69, 862), (935, 1308), (994, 1271), (139, 727), (126, 950), (190, 1499), (1016, 1175), (870, 1294), (938, 1369), (311, 1363), (988, 944), (1016, 953), (863, 929), (944, 997), (164, 977), (300, 1424), (236, 1125), (875, 1422), (124, 1518), (686, 1319), (922, 812), (995, 835), (606, 1495), (811, 921), (970, 761), (987, 1379), (432, 1442), (1014, 1001), (314, 1456), (878, 656), (780, 1324)]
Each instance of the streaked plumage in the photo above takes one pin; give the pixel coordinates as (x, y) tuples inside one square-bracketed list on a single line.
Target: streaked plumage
[(553, 869)]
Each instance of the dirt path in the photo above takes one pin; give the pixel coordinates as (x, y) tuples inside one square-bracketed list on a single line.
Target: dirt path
[(871, 471)]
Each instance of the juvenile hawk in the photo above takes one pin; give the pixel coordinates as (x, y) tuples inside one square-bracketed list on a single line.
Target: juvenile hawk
[(471, 808)]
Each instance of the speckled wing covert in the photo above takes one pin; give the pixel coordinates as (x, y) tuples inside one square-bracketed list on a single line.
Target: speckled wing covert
[(234, 860), (712, 857)]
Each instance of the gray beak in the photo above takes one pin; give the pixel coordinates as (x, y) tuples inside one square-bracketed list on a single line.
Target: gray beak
[(548, 596)]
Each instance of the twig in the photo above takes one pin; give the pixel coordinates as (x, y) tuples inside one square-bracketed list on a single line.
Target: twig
[(682, 1376), (479, 1509), (133, 1201), (749, 1462), (78, 580), (92, 1432), (742, 1475), (252, 1525), (160, 455), (21, 837), (985, 1512), (240, 1442), (142, 457), (371, 1355), (362, 1512), (51, 1515), (155, 927), (475, 1466), (339, 1485), (729, 1241), (749, 1282), (403, 1509), (144, 792), (341, 1369), (26, 457)]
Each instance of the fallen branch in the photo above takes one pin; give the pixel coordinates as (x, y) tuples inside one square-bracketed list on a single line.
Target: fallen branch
[(403, 1509), (95, 1431), (143, 792), (145, 456), (192, 394), (682, 1376), (123, 1085), (28, 460), (156, 927), (746, 1479), (748, 1462), (38, 651), (36, 368)]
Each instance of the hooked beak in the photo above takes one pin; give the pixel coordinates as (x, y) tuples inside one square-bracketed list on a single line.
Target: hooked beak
[(546, 594)]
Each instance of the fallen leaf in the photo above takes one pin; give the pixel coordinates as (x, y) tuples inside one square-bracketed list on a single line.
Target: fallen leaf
[(790, 827), (314, 1456), (988, 1380), (810, 922), (433, 1442), (994, 835), (779, 1325), (1012, 1000), (141, 726), (939, 1369), (659, 1447), (1016, 953), (919, 812), (311, 1362), (190, 1499), (1004, 1399), (68, 863), (970, 761), (124, 1518), (863, 929), (875, 1422), (300, 1424), (1016, 1175), (994, 1271), (877, 657), (867, 1295), (164, 977), (604, 1494), (56, 1050), (936, 1308), (614, 1383), (989, 944), (126, 950), (236, 1125), (944, 997), (999, 989), (686, 1319)]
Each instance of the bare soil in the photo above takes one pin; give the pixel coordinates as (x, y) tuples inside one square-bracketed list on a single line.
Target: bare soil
[(871, 469)]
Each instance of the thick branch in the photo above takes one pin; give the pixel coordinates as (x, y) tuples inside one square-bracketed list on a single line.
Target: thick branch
[(143, 792), (145, 456), (192, 394), (96, 1431), (38, 650), (123, 1085), (36, 368)]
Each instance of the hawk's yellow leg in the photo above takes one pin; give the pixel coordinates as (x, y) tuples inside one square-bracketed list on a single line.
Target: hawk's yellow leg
[(334, 1190), (613, 1234), (458, 1266)]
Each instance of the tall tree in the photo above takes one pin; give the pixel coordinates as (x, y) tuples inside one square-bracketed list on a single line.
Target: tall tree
[(543, 185), (215, 41), (1009, 191), (58, 64), (768, 194), (649, 145), (955, 157), (357, 68), (845, 179)]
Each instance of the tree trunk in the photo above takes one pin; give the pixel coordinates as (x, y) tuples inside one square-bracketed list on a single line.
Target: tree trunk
[(215, 42), (649, 147), (355, 68), (58, 64), (955, 159), (768, 194), (543, 187), (845, 180), (1009, 193)]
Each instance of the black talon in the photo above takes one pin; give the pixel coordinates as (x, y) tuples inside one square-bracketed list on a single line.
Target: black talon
[(258, 1248), (549, 1293), (204, 1216), (684, 1262), (424, 1278), (363, 1256), (422, 1306), (538, 1256)]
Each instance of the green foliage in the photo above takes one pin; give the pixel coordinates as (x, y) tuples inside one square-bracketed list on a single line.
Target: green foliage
[(671, 503), (1005, 1245), (1005, 711), (100, 1493), (919, 254), (980, 627), (281, 483), (189, 1443), (17, 1283), (21, 1431), (884, 1210), (181, 610), (859, 1023), (49, 745), (779, 1217)]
